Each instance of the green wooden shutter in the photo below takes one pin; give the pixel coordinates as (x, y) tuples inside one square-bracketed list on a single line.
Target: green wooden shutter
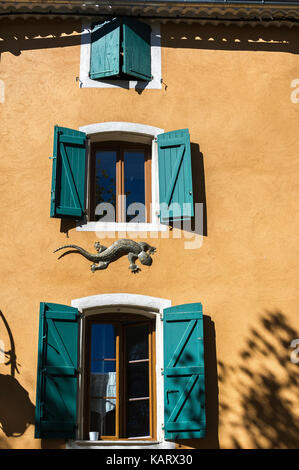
[(137, 49), (68, 173), (56, 392), (175, 175), (105, 49), (184, 386)]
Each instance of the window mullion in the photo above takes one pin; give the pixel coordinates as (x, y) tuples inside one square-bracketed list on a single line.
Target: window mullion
[(147, 184), (120, 216)]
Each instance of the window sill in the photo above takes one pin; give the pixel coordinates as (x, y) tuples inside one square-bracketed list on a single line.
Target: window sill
[(120, 227), (131, 444)]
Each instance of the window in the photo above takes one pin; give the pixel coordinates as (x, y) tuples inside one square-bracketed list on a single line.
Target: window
[(120, 182), (122, 53), (133, 372), (121, 48), (86, 171), (120, 384)]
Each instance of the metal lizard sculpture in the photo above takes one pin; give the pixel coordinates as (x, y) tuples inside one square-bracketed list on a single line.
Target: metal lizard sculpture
[(105, 256)]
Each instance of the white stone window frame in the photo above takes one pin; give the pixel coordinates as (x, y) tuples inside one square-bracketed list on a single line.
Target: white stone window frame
[(151, 307), (86, 82), (130, 132)]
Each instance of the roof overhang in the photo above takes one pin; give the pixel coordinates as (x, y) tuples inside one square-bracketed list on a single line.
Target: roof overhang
[(229, 12)]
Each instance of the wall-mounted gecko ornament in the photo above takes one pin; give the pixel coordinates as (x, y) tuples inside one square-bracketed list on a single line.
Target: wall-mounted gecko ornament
[(105, 256)]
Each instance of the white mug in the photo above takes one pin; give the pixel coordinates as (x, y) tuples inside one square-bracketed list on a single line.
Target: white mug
[(93, 435)]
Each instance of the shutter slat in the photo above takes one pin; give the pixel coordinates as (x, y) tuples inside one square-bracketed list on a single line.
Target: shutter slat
[(175, 176), (68, 173), (186, 425), (105, 49), (184, 370), (72, 139), (69, 176), (57, 379), (137, 49), (184, 381)]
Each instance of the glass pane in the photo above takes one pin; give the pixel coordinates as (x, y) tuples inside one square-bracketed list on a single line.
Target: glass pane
[(134, 185), (102, 416), (105, 188), (137, 342), (103, 346), (138, 380), (102, 389), (103, 385), (138, 418)]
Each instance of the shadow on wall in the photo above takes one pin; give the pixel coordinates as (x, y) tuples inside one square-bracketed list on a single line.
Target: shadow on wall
[(33, 34), (232, 38), (259, 406), (211, 392), (199, 190), (16, 409), (198, 223), (26, 35)]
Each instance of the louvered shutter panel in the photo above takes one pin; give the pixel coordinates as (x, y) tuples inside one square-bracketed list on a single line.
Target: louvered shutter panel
[(137, 49), (56, 392), (175, 175), (105, 49), (68, 173), (184, 384)]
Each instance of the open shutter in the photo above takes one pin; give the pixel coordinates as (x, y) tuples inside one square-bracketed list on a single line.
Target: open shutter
[(175, 175), (105, 49), (184, 386), (56, 393), (68, 173), (137, 49)]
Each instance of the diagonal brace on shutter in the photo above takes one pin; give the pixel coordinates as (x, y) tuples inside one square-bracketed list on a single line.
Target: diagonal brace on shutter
[(176, 170), (179, 349), (69, 176), (183, 397), (61, 349)]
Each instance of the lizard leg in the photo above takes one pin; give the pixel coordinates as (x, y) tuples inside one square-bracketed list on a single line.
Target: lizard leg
[(101, 265), (132, 258), (146, 247)]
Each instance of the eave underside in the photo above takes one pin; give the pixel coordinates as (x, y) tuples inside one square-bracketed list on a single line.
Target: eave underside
[(240, 13)]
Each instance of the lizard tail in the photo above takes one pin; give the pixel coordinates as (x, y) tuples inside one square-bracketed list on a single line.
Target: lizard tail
[(86, 254)]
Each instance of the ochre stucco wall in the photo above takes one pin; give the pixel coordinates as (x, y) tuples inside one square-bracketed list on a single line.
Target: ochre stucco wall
[(231, 88)]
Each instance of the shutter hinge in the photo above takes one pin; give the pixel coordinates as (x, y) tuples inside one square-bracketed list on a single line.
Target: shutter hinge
[(52, 158)]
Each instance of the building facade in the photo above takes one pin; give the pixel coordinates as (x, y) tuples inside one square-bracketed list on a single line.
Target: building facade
[(149, 166)]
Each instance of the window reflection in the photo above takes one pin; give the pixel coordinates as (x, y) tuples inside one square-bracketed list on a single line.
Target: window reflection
[(134, 184), (105, 174), (103, 379)]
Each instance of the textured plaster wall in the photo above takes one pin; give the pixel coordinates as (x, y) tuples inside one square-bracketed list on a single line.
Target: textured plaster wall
[(231, 88)]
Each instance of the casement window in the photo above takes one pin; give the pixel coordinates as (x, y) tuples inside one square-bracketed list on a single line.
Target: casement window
[(120, 169), (119, 402), (114, 372), (125, 175), (121, 52)]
